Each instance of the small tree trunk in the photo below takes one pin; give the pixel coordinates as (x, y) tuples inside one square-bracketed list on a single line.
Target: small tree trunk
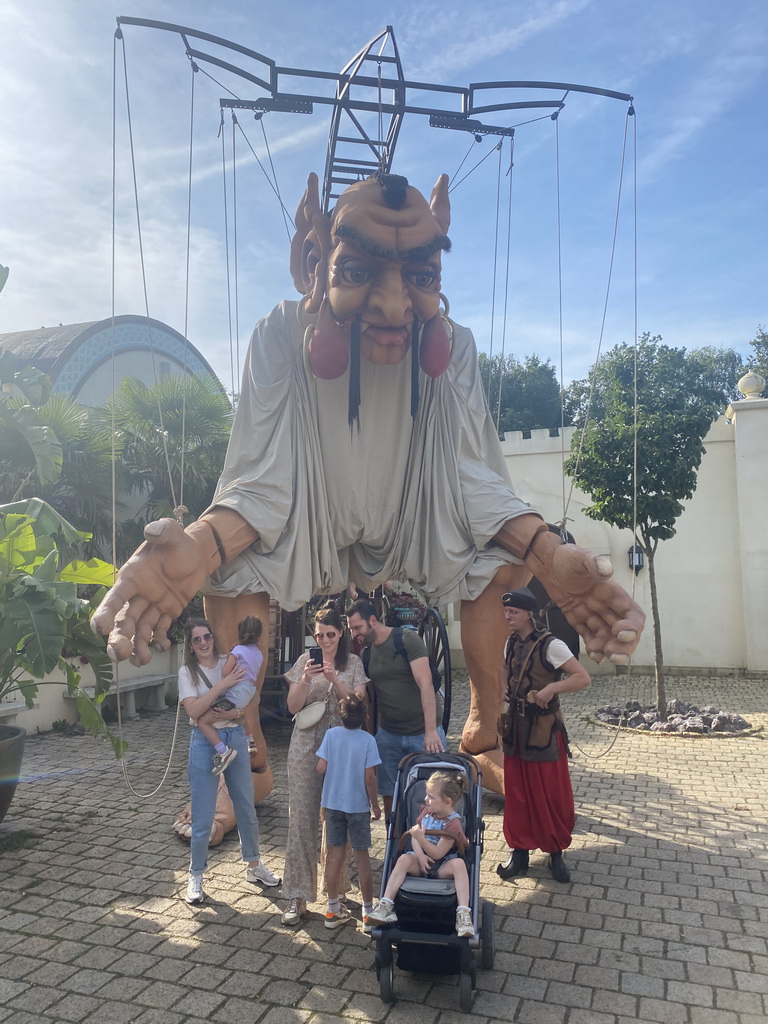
[(661, 689)]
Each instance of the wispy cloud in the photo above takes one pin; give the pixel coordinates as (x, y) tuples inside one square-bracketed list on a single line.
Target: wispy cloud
[(467, 36), (719, 81)]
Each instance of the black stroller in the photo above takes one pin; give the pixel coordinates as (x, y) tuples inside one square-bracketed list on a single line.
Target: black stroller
[(424, 936)]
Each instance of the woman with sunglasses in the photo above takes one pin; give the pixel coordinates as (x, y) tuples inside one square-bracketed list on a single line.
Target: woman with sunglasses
[(201, 685), (340, 674)]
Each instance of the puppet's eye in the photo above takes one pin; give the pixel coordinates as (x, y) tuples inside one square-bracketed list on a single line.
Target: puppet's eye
[(354, 272), (422, 277)]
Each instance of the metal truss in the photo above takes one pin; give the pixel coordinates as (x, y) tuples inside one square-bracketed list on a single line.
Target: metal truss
[(369, 96)]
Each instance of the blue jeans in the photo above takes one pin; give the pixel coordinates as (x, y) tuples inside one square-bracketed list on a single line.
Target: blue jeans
[(392, 749), (204, 786)]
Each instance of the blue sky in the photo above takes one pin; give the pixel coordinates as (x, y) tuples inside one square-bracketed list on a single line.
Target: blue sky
[(696, 68)]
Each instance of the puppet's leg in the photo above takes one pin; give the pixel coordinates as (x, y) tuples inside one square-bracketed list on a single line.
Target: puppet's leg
[(224, 614), (483, 635)]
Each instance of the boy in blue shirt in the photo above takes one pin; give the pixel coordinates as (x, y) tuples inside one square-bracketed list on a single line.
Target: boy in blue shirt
[(347, 758)]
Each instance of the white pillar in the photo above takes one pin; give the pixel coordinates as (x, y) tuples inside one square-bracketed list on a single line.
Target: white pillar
[(750, 422)]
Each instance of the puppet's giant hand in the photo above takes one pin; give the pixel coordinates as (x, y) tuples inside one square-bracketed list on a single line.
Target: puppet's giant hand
[(154, 586), (578, 581)]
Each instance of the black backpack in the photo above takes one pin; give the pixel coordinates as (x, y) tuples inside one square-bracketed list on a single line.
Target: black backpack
[(397, 639)]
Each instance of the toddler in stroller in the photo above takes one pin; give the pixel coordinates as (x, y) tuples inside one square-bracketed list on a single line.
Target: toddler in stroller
[(437, 844), (417, 922)]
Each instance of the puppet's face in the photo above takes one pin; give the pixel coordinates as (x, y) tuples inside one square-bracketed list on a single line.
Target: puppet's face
[(385, 266)]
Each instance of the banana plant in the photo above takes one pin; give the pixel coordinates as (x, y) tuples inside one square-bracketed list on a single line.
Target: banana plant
[(44, 623)]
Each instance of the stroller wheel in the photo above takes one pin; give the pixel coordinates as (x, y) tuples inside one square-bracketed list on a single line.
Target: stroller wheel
[(487, 943), (387, 982), (465, 991)]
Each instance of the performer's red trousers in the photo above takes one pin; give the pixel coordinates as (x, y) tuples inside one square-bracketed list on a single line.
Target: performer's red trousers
[(538, 803)]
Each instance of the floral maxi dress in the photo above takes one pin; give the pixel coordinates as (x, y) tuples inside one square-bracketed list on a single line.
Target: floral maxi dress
[(305, 786)]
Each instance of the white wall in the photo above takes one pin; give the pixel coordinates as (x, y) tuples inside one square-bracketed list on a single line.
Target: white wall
[(721, 538), (52, 704)]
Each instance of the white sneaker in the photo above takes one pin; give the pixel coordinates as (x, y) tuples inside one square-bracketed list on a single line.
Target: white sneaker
[(368, 925), (295, 911), (383, 913), (259, 874), (222, 761), (194, 892), (464, 926)]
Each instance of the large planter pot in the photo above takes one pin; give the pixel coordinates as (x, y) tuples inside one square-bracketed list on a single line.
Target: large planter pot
[(11, 752)]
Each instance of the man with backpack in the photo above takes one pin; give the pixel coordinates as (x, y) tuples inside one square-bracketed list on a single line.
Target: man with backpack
[(398, 666)]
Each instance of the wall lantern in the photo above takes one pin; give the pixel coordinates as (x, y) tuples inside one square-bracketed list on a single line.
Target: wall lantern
[(636, 558)]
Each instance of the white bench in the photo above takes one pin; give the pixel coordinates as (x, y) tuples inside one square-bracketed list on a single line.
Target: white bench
[(153, 688), (10, 708)]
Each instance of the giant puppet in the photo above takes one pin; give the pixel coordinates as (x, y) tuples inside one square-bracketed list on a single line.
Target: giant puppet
[(363, 450)]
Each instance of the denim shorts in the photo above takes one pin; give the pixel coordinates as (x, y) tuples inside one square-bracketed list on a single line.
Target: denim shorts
[(340, 824)]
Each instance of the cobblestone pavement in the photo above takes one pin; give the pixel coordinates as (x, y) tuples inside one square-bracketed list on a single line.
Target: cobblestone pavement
[(666, 918)]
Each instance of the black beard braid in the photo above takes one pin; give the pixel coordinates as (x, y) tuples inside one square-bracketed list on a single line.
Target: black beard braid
[(415, 332), (353, 409)]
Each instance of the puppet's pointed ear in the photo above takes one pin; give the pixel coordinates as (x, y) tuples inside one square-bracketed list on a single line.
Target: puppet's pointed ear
[(310, 247), (440, 204)]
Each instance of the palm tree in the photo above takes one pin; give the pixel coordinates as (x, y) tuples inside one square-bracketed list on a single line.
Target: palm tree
[(82, 491), (173, 437), (29, 448)]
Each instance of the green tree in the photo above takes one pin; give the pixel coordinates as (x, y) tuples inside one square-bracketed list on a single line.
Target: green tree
[(81, 491), (26, 440), (679, 394), (173, 437), (759, 343), (530, 394)]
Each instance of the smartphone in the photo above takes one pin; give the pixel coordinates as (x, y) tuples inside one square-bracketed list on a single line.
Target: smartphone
[(315, 655)]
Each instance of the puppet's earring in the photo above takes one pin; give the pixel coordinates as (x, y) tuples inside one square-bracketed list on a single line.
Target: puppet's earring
[(328, 350), (436, 343)]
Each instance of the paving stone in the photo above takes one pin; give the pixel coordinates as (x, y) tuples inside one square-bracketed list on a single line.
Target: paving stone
[(590, 1017), (538, 1013), (76, 1007), (568, 995), (685, 992), (663, 1011), (642, 985), (739, 1002), (666, 918)]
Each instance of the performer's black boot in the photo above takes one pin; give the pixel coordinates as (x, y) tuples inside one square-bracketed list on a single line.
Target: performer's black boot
[(517, 864), (558, 867)]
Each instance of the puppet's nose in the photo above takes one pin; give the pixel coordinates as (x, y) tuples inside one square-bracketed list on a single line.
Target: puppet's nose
[(390, 297)]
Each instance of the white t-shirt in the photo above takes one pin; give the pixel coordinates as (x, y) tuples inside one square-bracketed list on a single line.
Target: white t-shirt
[(189, 688), (558, 653)]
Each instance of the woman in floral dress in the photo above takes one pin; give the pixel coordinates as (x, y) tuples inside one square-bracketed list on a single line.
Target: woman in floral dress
[(343, 672)]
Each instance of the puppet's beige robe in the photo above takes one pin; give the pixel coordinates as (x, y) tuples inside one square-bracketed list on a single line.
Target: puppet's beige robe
[(397, 499)]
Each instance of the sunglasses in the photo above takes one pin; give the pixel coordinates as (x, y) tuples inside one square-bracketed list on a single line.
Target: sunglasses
[(204, 639)]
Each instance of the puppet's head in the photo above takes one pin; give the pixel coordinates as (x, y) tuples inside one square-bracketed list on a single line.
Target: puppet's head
[(372, 272)]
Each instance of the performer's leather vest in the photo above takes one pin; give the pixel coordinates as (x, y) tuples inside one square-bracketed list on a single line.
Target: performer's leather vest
[(528, 730)]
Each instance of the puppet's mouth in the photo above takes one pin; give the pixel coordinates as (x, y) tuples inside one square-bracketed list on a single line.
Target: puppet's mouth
[(397, 336)]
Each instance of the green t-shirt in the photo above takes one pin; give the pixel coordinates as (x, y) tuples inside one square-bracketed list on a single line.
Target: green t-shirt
[(398, 697)]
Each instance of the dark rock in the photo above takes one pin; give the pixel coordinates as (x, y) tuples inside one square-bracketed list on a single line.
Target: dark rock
[(635, 719), (662, 727), (633, 705), (692, 724), (609, 719), (677, 707)]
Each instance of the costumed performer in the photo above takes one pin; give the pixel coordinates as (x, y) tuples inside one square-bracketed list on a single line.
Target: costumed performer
[(538, 798)]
